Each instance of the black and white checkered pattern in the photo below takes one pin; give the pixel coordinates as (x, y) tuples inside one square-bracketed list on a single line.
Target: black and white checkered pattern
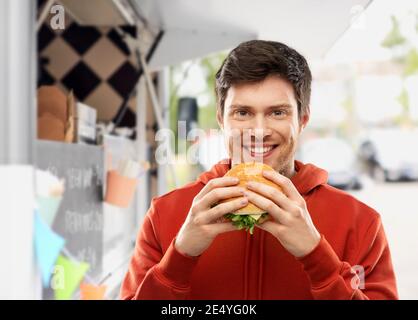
[(94, 62)]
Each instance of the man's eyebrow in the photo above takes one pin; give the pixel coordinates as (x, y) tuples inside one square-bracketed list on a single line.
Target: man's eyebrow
[(237, 106), (274, 106), (281, 106)]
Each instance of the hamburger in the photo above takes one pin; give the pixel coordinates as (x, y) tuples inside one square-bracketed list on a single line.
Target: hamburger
[(250, 215)]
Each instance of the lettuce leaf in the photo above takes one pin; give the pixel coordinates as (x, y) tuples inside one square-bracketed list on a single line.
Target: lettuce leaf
[(245, 221)]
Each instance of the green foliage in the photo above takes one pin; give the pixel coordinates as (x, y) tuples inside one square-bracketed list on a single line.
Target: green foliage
[(207, 117), (207, 113), (403, 99), (411, 62), (416, 22), (394, 37), (408, 60)]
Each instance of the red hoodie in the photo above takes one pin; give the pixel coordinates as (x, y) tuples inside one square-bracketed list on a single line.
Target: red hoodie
[(242, 266)]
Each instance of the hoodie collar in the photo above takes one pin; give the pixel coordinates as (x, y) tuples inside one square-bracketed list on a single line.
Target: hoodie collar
[(306, 178)]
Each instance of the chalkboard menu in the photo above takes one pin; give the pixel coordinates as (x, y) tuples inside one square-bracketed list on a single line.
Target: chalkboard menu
[(80, 216)]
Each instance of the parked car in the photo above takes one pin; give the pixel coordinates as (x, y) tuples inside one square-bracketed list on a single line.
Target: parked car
[(391, 154), (337, 157)]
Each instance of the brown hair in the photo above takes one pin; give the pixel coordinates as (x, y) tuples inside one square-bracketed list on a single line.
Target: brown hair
[(255, 60)]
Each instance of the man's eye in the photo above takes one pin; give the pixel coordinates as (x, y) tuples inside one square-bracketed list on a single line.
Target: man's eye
[(241, 113), (278, 113)]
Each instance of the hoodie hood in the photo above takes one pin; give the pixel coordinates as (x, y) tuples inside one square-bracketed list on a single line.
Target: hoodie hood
[(307, 176)]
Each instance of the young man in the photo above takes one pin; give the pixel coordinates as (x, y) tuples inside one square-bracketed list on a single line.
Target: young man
[(321, 243)]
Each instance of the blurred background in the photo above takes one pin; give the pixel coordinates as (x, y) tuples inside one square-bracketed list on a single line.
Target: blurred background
[(111, 76), (364, 121)]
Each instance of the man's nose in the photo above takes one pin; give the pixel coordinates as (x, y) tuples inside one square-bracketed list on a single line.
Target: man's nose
[(260, 128)]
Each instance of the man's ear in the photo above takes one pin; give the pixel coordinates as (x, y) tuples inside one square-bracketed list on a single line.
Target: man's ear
[(305, 119), (219, 118)]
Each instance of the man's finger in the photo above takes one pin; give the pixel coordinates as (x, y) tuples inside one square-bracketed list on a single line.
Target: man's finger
[(221, 209), (273, 209), (271, 193), (270, 226), (217, 194), (285, 183), (216, 183), (218, 228)]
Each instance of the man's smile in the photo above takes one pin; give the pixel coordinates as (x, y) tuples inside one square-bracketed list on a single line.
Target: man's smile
[(260, 151)]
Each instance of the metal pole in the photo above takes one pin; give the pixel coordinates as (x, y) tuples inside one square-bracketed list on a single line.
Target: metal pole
[(163, 97), (157, 111), (17, 81), (135, 45), (44, 14), (18, 276), (142, 147)]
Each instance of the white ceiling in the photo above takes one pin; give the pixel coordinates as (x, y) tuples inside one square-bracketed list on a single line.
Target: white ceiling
[(195, 28)]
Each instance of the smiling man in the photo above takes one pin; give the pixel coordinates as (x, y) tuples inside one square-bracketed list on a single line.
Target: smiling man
[(319, 243)]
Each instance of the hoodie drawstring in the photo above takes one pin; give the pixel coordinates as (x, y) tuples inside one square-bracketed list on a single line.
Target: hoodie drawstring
[(246, 262), (260, 265)]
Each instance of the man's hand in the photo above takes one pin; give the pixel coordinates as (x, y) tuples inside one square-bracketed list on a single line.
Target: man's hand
[(291, 223), (204, 222)]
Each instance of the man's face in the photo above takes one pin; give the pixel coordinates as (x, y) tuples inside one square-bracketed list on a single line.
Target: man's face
[(261, 124)]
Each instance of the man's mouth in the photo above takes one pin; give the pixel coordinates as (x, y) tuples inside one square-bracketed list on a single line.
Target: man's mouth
[(261, 151)]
